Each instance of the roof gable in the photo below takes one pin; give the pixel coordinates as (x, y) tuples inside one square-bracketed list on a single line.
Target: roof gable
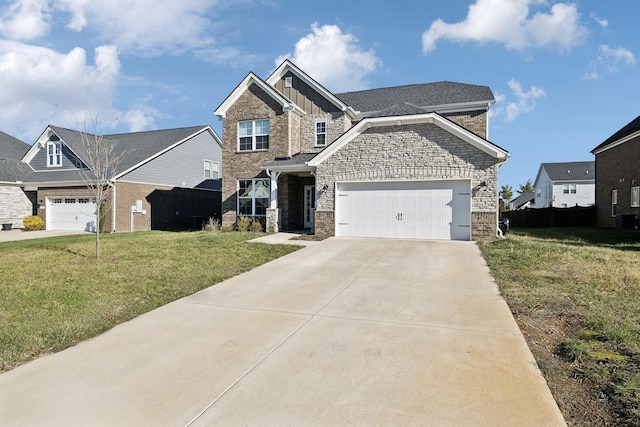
[(244, 85), (136, 148), (629, 131), (287, 67), (433, 118)]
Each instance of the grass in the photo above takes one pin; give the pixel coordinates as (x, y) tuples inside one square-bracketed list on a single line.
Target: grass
[(55, 293), (582, 287)]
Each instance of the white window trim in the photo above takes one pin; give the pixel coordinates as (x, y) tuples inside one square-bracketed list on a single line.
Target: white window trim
[(253, 197), (636, 203), (56, 154), (211, 169), (253, 135), (322, 133)]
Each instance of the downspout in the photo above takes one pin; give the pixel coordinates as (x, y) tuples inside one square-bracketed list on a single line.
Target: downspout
[(289, 131), (113, 207)]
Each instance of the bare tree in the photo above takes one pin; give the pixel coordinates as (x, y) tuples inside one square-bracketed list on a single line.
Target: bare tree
[(101, 163)]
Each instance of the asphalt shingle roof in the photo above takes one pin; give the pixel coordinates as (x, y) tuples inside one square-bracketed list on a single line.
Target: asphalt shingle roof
[(299, 159), (628, 129), (416, 95), (11, 152), (572, 171)]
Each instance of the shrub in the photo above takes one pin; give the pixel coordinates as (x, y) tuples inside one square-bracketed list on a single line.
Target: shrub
[(243, 223), (226, 228), (33, 223), (212, 225), (256, 226)]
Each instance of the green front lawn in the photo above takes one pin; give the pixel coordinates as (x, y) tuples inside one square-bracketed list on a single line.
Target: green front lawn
[(54, 293), (575, 293)]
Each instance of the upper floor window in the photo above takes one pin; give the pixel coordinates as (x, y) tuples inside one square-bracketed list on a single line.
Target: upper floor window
[(635, 197), (321, 133), (569, 189), (54, 153), (211, 170), (253, 135)]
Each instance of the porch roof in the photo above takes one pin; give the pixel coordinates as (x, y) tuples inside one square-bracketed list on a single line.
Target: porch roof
[(296, 163)]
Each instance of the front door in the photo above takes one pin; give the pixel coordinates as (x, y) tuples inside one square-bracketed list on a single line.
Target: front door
[(309, 205)]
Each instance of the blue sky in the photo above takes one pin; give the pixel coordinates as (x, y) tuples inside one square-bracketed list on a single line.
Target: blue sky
[(564, 73)]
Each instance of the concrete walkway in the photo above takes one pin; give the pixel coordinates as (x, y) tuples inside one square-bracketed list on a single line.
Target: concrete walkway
[(20, 234), (358, 332)]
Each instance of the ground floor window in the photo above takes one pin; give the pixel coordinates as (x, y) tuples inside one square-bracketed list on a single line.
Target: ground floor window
[(253, 197), (614, 202), (635, 197)]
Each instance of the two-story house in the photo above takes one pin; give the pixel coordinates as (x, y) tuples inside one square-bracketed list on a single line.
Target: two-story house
[(404, 162), (618, 178), (564, 185)]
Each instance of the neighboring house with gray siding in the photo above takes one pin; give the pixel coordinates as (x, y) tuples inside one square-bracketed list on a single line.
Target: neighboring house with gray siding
[(402, 162), (165, 179), (15, 205)]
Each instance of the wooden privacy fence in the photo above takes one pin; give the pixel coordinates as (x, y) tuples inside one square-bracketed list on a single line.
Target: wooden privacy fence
[(576, 216)]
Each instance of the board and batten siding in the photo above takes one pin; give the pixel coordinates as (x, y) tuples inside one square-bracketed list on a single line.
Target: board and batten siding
[(182, 166)]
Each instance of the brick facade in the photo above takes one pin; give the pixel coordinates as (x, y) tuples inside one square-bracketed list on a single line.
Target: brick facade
[(253, 104), (617, 169)]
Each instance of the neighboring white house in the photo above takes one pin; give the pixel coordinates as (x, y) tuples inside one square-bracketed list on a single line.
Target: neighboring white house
[(563, 185)]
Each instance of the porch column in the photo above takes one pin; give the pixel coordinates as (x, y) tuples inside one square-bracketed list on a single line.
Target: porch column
[(273, 212)]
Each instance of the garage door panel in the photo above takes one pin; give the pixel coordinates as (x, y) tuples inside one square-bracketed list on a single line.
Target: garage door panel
[(71, 213), (420, 209)]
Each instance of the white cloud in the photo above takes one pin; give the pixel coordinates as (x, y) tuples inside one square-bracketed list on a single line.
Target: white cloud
[(601, 21), (333, 58), (143, 27), (509, 22), (609, 61), (41, 86), (524, 102), (25, 20)]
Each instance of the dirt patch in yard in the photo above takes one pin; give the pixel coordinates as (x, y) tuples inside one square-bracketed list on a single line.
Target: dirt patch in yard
[(580, 401)]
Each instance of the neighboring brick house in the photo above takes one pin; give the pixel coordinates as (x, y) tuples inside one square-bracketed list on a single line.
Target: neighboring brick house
[(165, 180), (403, 162), (564, 185), (15, 205), (618, 178)]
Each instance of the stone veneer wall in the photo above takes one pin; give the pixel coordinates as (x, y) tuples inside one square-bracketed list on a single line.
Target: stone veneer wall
[(14, 206), (337, 124), (413, 152)]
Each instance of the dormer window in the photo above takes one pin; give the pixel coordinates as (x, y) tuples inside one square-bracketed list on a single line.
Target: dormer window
[(321, 133), (54, 153)]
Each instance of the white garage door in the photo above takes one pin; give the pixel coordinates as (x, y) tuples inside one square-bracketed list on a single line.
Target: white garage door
[(405, 210), (71, 213)]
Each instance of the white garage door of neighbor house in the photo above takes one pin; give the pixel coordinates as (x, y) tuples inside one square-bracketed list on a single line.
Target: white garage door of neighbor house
[(71, 213), (404, 210)]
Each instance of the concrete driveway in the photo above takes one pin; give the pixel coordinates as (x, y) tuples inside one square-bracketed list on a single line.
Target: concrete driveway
[(344, 332)]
